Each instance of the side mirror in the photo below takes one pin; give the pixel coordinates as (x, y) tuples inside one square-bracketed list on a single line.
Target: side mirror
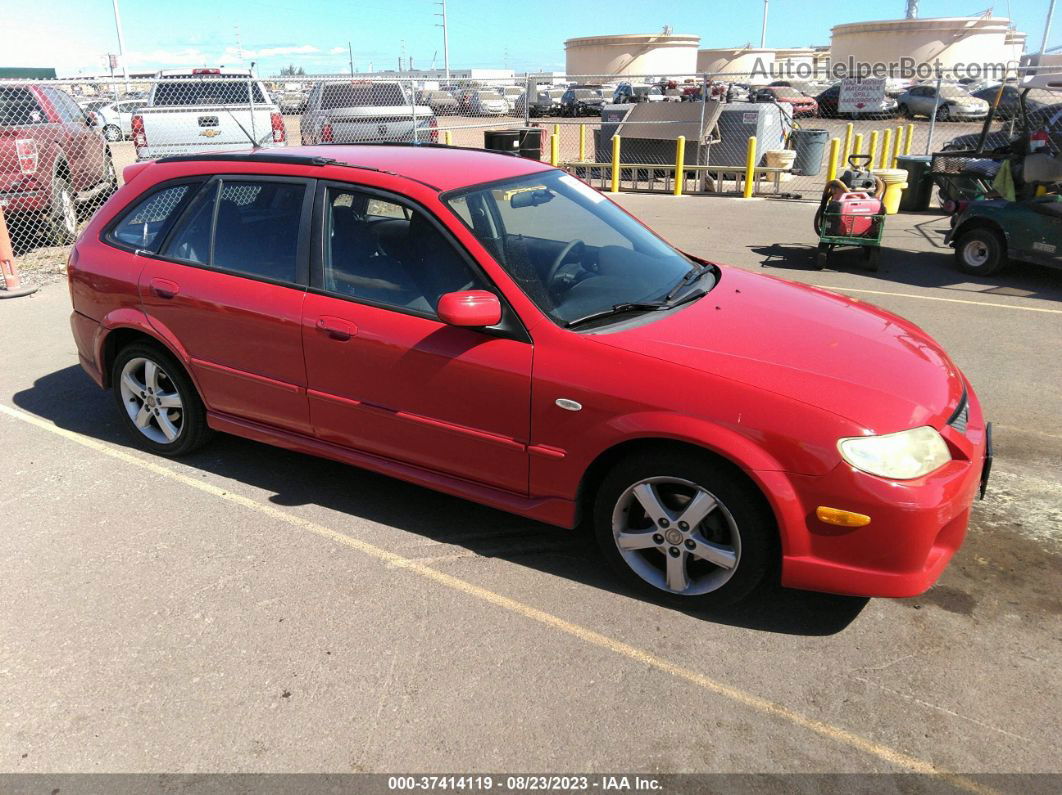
[(91, 119), (470, 308)]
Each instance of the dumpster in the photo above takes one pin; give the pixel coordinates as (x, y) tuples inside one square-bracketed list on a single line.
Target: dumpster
[(523, 141), (810, 145), (919, 191)]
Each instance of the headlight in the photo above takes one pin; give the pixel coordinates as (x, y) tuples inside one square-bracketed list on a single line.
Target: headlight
[(901, 456)]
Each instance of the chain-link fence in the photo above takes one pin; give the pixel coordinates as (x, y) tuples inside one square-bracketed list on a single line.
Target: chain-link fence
[(64, 144)]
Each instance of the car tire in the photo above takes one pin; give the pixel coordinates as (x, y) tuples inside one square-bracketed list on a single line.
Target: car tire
[(980, 252), (943, 113), (62, 221), (110, 176), (157, 401), (904, 112), (736, 541), (112, 133)]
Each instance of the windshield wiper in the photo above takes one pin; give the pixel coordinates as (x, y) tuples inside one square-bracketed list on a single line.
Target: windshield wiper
[(619, 309), (692, 275)]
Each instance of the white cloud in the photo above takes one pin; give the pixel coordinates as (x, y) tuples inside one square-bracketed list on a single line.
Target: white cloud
[(272, 52), (337, 50)]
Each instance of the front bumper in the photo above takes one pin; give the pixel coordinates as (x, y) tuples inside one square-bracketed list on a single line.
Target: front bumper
[(916, 525)]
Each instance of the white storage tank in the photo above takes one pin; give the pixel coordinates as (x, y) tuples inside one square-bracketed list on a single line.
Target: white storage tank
[(951, 40), (743, 64), (654, 54)]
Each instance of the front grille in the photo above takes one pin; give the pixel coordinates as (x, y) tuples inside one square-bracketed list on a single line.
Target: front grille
[(961, 416)]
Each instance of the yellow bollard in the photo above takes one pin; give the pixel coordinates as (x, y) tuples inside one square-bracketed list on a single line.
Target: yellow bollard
[(886, 148), (873, 149), (554, 149), (680, 164), (835, 147), (556, 130), (448, 138), (847, 142), (582, 142), (910, 139), (615, 163), (857, 147), (897, 148), (750, 168)]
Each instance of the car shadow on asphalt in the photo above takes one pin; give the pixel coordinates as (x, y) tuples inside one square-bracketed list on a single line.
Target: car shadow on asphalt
[(901, 266), (464, 529)]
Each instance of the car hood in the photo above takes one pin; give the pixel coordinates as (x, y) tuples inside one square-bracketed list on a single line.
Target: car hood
[(852, 359)]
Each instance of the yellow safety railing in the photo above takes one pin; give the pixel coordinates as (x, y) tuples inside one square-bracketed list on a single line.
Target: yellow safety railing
[(680, 164), (750, 168), (615, 164)]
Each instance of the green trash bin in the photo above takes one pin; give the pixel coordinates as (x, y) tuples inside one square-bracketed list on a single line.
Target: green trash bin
[(919, 191)]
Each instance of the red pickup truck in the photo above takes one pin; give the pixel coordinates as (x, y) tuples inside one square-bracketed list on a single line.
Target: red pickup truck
[(52, 159)]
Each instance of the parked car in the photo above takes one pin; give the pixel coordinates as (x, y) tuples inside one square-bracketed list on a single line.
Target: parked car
[(829, 99), (955, 103), (1048, 117), (53, 160), (115, 119), (582, 101), (483, 102), (364, 112), (442, 103), (626, 93), (292, 99), (543, 103), (801, 105), (219, 109), (524, 363), (1009, 106), (510, 94)]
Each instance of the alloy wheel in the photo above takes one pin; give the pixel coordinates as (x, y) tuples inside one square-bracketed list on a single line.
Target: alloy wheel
[(676, 535), (152, 401)]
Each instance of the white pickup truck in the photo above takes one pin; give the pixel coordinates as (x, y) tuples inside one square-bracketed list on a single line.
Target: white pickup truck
[(354, 111), (206, 109)]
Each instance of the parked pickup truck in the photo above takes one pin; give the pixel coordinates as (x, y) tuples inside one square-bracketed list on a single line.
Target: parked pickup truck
[(206, 109), (362, 112), (52, 159)]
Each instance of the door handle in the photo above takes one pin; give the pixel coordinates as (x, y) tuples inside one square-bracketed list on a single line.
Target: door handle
[(336, 329), (164, 288)]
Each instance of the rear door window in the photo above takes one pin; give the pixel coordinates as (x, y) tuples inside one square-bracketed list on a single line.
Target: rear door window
[(19, 107)]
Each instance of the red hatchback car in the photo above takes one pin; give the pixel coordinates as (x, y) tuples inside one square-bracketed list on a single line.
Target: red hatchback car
[(493, 328)]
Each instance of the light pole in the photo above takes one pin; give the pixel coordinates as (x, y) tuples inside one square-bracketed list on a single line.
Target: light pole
[(121, 43), (1047, 27), (763, 30), (446, 40)]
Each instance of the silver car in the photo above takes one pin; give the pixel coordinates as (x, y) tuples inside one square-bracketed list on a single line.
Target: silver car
[(954, 102)]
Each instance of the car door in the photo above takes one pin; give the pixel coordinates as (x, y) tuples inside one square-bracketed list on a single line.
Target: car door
[(83, 145), (384, 374), (228, 286)]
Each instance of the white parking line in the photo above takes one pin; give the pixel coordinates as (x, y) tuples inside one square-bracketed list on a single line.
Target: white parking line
[(935, 298), (759, 704)]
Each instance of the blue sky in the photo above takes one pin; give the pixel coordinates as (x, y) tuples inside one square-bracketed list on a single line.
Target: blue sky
[(74, 35)]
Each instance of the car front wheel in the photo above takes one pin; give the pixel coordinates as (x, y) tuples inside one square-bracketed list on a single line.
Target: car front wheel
[(158, 401), (684, 526), (62, 219)]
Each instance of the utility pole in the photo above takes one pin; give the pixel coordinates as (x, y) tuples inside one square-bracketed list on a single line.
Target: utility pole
[(446, 40), (763, 30), (1047, 27), (912, 9), (121, 43), (350, 52)]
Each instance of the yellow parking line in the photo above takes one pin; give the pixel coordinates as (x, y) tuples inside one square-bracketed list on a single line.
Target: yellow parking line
[(843, 736), (935, 298)]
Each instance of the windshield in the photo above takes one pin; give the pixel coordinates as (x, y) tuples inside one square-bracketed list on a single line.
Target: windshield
[(569, 248), (356, 95), (587, 93), (953, 92)]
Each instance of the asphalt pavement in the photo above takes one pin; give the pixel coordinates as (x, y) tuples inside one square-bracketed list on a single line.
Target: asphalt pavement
[(250, 609)]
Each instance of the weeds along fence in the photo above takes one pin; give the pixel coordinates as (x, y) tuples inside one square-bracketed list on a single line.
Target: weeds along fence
[(64, 143)]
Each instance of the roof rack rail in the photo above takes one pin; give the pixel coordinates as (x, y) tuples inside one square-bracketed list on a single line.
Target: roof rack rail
[(254, 155), (417, 144)]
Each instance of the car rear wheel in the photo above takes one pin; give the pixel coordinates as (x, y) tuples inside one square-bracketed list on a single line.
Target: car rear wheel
[(112, 133), (980, 252), (943, 113), (684, 526), (62, 217), (158, 401), (904, 112)]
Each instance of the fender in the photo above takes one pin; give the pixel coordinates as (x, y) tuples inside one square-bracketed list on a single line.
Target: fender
[(128, 317)]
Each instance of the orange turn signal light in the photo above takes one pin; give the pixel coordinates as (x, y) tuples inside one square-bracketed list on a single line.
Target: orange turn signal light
[(841, 518)]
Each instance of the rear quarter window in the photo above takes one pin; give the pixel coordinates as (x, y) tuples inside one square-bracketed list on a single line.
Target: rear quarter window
[(19, 107), (144, 225)]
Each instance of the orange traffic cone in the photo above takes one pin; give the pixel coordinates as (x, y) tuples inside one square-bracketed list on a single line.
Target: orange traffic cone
[(8, 272)]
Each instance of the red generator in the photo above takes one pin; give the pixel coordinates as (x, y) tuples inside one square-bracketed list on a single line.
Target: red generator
[(853, 215)]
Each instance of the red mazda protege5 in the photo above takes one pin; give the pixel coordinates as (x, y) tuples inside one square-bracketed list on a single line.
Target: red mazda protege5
[(493, 328)]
